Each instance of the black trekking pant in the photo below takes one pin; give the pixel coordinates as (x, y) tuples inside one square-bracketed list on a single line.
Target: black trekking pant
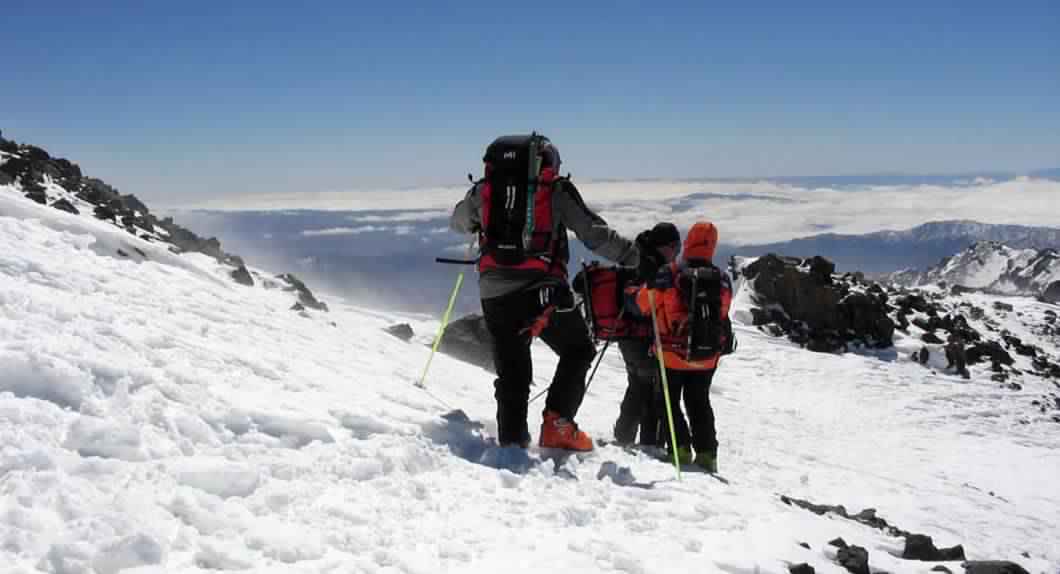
[(642, 404), (698, 432), (507, 317)]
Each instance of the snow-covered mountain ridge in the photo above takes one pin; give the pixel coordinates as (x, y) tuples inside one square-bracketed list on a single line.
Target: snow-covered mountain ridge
[(884, 252), (156, 416), (1014, 235), (995, 268), (60, 184)]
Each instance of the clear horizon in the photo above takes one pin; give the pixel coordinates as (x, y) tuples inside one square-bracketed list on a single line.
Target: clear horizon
[(179, 103)]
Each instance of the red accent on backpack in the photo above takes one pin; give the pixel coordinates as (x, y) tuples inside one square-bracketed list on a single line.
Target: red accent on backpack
[(604, 291), (542, 249)]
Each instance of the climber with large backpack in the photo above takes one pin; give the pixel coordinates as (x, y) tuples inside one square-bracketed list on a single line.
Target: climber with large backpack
[(690, 301), (521, 210)]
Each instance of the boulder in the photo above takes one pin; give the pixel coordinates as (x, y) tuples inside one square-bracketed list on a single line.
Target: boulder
[(242, 276), (15, 167), (105, 213), (913, 302), (402, 331), (134, 204), (305, 296), (1019, 346), (989, 350), (469, 340), (931, 338), (63, 204), (1051, 293), (922, 547), (802, 568), (854, 558), (96, 191), (821, 269), (37, 195), (993, 567), (803, 300), (68, 169), (34, 153)]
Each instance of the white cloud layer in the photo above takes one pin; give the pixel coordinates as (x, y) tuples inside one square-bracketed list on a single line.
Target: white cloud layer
[(746, 212), (341, 231)]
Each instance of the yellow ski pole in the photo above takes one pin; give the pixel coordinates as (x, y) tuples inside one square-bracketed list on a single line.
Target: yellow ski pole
[(665, 385), (445, 320)]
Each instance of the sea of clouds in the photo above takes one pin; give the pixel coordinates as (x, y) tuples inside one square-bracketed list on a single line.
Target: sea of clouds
[(382, 243)]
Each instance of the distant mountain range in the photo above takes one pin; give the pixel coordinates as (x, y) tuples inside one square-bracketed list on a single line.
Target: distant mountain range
[(921, 247), (996, 268)]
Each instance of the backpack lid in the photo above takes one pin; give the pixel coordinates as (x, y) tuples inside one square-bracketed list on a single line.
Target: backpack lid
[(506, 149)]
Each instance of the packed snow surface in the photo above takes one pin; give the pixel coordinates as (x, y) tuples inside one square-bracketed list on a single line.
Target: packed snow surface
[(157, 417)]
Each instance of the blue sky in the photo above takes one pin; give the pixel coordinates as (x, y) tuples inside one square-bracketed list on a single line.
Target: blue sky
[(178, 101)]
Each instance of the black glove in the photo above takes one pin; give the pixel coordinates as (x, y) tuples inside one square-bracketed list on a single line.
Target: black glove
[(650, 260)]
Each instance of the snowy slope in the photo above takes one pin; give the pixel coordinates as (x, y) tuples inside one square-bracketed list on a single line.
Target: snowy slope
[(154, 414), (993, 267)]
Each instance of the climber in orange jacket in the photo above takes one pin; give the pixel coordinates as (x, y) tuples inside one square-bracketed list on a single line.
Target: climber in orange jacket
[(692, 300)]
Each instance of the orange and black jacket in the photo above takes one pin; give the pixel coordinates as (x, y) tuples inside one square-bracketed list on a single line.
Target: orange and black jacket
[(671, 305)]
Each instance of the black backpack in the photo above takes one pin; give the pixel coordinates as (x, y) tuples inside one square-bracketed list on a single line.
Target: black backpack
[(709, 333), (521, 172)]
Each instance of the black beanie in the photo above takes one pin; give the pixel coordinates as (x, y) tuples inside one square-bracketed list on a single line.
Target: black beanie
[(662, 234)]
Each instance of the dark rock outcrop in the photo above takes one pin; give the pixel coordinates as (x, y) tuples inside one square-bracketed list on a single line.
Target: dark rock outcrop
[(64, 205), (931, 338), (402, 331), (242, 276), (993, 567), (991, 350), (917, 546), (854, 558), (802, 568), (37, 195), (469, 340), (1051, 293), (305, 296), (1002, 306), (805, 301), (922, 547)]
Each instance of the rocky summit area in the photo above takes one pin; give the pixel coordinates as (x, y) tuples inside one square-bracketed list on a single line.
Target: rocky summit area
[(61, 184), (1011, 341), (806, 301)]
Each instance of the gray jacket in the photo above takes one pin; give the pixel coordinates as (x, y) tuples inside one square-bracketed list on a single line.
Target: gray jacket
[(568, 212)]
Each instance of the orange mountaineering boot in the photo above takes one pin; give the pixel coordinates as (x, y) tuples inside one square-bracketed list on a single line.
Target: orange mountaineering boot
[(560, 432)]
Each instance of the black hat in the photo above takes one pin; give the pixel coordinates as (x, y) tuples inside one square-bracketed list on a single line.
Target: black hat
[(662, 234)]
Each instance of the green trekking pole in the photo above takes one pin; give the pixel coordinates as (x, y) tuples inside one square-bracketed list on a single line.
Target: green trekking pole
[(666, 386), (448, 311)]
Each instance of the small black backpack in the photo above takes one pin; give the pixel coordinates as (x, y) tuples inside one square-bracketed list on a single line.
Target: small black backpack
[(709, 333)]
